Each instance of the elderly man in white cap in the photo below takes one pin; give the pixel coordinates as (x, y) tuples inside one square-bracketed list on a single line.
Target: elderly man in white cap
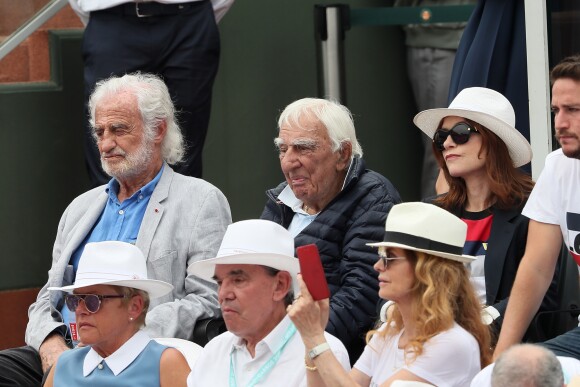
[(256, 275)]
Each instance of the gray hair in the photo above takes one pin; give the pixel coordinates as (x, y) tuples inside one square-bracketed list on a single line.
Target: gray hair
[(154, 104), (527, 365), (289, 298), (335, 117)]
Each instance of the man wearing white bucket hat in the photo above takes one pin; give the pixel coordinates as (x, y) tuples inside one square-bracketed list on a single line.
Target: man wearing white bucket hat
[(110, 298), (173, 219), (554, 212), (255, 270), (480, 151)]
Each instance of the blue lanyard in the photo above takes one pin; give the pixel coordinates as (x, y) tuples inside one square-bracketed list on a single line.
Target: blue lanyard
[(267, 367)]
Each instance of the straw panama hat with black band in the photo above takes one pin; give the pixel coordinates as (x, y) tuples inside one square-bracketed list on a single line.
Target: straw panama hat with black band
[(118, 264), (426, 228), (487, 107), (253, 242)]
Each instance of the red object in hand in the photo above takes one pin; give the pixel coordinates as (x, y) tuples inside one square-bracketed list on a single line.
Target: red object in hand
[(312, 271)]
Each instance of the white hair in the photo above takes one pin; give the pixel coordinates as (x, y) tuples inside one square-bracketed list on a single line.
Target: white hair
[(154, 104), (335, 117), (527, 365)]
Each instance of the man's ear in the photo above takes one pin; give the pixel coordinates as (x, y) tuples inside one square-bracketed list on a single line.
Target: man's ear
[(344, 155), (283, 285), (160, 131)]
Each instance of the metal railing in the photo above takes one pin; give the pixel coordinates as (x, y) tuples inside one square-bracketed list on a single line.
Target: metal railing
[(332, 21), (393, 16), (30, 26)]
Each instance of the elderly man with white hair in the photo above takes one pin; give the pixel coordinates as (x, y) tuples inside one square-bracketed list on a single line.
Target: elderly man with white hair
[(173, 219), (256, 273), (329, 198), (528, 365)]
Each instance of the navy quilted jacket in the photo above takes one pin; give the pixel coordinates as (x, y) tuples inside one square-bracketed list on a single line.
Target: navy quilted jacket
[(356, 216)]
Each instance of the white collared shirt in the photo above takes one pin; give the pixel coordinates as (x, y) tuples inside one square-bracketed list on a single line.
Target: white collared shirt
[(301, 218), (212, 367), (84, 7), (121, 358)]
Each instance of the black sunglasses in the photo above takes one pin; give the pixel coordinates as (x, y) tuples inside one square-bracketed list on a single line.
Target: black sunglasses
[(92, 301), (386, 259), (459, 133)]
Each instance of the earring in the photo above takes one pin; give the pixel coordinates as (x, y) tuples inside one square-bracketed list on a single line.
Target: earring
[(130, 318)]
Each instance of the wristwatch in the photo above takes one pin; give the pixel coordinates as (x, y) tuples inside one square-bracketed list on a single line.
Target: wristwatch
[(320, 348)]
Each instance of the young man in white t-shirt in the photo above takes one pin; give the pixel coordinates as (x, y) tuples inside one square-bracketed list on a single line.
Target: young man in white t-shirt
[(554, 212)]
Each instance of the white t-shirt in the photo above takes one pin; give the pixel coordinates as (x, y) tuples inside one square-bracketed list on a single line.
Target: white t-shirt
[(212, 368), (555, 198), (449, 359)]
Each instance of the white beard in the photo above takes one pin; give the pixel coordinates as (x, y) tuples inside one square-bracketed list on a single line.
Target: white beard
[(134, 163)]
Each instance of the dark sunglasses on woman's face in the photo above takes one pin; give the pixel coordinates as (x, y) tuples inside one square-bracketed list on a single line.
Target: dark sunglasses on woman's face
[(385, 259), (459, 133), (92, 301)]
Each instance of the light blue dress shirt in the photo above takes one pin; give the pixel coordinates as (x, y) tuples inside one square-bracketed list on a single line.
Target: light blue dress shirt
[(118, 222)]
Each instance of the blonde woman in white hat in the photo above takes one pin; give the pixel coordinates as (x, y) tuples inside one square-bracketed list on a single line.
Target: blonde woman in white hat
[(110, 298), (480, 151), (434, 333)]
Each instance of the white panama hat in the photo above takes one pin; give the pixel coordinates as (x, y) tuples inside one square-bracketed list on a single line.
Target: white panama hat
[(487, 107), (425, 227), (118, 264), (253, 242)]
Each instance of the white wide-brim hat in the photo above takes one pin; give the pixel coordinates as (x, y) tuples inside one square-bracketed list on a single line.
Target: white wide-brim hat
[(425, 227), (118, 264), (487, 107), (253, 242)]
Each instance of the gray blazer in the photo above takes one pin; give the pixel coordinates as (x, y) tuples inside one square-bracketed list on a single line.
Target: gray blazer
[(184, 222)]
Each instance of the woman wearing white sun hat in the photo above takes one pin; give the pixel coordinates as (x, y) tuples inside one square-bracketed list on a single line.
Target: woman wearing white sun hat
[(479, 151), (434, 333), (110, 298)]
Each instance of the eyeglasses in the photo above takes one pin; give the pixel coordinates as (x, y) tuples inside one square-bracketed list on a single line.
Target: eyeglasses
[(92, 301), (385, 259), (459, 133)]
